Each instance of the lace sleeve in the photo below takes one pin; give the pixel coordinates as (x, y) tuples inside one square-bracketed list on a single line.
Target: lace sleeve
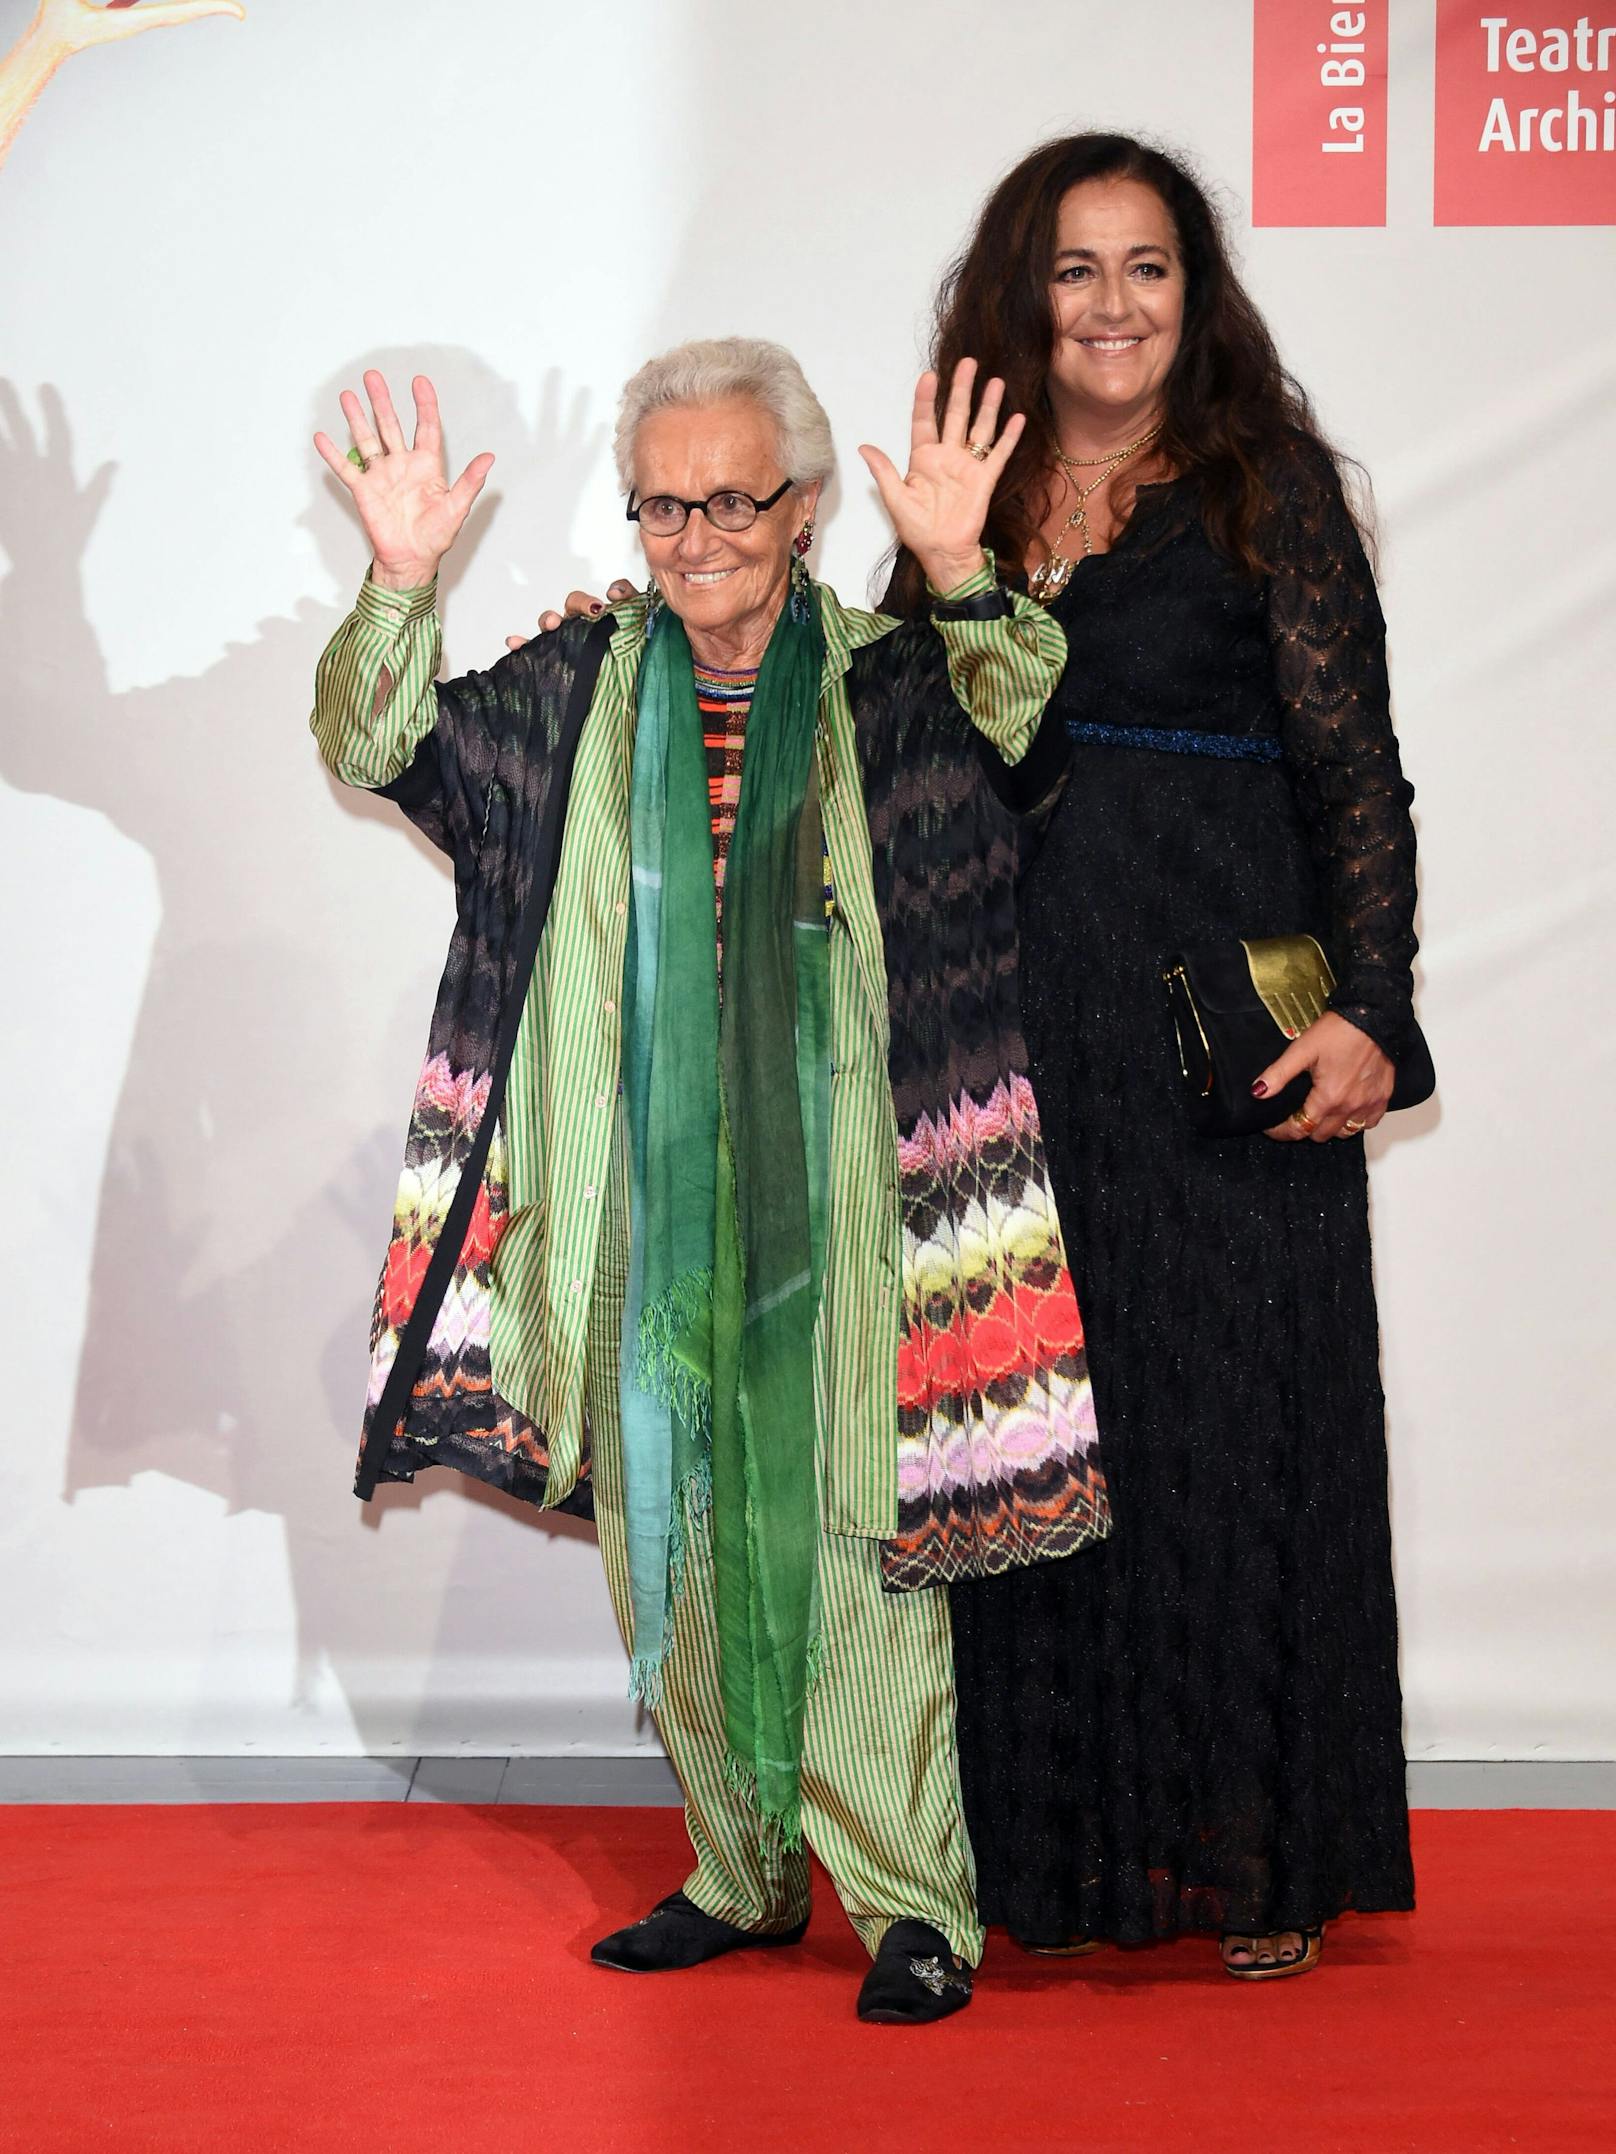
[(1328, 638)]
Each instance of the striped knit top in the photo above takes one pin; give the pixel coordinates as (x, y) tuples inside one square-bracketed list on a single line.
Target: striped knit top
[(724, 697)]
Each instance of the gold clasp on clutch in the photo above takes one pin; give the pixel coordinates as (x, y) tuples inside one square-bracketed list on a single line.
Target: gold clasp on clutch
[(1293, 980), (1178, 990)]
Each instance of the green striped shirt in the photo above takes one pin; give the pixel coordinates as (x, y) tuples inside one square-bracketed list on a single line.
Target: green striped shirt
[(374, 702)]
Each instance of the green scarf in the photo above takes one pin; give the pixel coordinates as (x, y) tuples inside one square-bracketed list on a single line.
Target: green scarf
[(728, 1111)]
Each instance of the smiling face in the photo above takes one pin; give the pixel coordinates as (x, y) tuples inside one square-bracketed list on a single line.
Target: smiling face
[(1117, 289), (726, 586)]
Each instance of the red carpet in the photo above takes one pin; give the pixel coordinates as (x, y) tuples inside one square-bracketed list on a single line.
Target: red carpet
[(389, 1979)]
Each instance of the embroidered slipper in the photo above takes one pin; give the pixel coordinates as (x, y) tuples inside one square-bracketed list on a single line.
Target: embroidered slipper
[(1301, 1963), (913, 1979), (676, 1933)]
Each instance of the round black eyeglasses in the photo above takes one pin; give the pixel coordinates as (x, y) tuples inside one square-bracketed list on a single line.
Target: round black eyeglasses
[(665, 514)]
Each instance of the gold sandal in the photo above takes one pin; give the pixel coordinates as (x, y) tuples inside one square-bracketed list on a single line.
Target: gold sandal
[(1304, 1962)]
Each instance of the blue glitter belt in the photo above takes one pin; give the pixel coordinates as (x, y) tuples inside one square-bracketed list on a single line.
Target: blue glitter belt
[(1232, 747)]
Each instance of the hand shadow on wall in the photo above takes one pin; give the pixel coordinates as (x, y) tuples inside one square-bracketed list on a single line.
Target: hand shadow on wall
[(226, 1325)]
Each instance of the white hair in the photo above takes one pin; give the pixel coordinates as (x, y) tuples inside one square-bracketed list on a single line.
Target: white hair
[(712, 370)]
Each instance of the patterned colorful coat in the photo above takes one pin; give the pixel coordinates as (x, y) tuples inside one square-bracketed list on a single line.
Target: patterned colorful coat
[(997, 1460)]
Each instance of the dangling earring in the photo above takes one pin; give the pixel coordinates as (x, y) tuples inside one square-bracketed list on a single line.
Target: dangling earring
[(653, 601), (802, 584)]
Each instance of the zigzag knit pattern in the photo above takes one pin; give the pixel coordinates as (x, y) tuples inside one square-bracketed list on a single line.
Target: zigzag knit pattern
[(997, 1445), (998, 1459), (478, 788), (456, 1417)]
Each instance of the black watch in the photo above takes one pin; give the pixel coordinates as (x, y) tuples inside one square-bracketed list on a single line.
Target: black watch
[(990, 605)]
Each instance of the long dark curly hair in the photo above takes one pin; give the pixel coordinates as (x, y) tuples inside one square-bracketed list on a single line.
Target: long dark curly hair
[(1233, 415)]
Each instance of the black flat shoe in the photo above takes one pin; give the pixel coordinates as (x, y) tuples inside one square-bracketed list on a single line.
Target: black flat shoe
[(1072, 1948), (913, 1978), (677, 1934)]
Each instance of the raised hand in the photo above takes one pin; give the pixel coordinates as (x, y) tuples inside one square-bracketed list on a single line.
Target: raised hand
[(411, 514), (939, 506)]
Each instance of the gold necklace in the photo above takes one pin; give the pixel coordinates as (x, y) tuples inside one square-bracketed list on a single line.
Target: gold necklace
[(1051, 577)]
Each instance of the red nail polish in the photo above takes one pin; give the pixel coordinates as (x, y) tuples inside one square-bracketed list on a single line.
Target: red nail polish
[(1259, 1089)]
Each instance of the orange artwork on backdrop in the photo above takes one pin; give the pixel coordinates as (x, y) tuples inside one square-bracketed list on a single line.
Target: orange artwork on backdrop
[(61, 28), (1318, 135), (1525, 113)]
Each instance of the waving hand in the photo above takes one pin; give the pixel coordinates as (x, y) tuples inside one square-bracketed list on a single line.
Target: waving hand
[(411, 514), (939, 506)]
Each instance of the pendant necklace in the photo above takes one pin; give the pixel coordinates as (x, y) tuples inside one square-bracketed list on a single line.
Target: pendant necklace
[(1051, 577)]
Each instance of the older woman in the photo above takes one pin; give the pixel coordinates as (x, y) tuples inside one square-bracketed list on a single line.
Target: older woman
[(771, 1275)]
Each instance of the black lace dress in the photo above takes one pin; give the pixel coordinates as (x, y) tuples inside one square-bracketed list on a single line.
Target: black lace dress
[(1197, 1724)]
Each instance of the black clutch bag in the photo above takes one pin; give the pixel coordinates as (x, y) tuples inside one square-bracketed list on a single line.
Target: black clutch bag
[(1235, 1006)]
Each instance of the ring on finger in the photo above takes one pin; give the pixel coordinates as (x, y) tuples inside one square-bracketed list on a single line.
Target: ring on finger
[(1304, 1121), (980, 450), (1353, 1129)]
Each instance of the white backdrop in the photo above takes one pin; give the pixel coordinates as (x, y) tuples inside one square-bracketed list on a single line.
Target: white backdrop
[(218, 971)]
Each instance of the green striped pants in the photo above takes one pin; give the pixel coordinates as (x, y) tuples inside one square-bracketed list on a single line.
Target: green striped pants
[(880, 1772)]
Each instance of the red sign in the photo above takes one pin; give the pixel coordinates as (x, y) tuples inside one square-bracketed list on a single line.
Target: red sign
[(1525, 113), (1319, 113)]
